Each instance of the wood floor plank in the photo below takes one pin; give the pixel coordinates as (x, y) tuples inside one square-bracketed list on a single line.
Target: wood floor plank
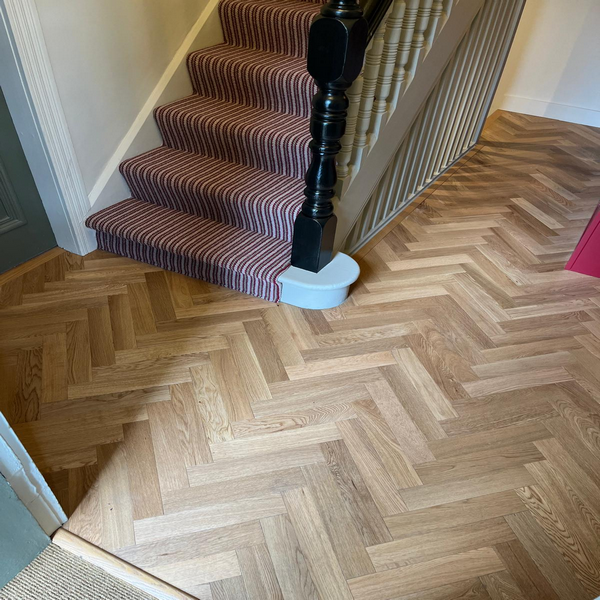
[(228, 589), (194, 575), (508, 383), (525, 572), (282, 440), (167, 443), (546, 556), (471, 588), (265, 351), (205, 518), (123, 332), (289, 561), (213, 414), (454, 514), (79, 356), (340, 365), (160, 296), (410, 399), (230, 385), (442, 542), (355, 494), (54, 369), (408, 435), (564, 531), (258, 573), (311, 533), (501, 586), (506, 436), (478, 463), (265, 484), (193, 440), (141, 468), (427, 575), (372, 469), (452, 491), (115, 501), (345, 537), (233, 468), (193, 545), (141, 308)]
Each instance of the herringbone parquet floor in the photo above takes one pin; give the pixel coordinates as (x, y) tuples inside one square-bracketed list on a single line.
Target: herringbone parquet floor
[(437, 437)]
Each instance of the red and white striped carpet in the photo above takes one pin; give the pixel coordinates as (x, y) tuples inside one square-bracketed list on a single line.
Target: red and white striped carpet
[(218, 200)]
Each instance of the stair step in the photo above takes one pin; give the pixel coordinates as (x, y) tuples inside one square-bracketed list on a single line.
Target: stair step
[(207, 187), (254, 77), (273, 25), (221, 254), (237, 133)]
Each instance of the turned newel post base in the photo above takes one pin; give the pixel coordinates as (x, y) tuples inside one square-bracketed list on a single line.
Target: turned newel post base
[(336, 49), (313, 242)]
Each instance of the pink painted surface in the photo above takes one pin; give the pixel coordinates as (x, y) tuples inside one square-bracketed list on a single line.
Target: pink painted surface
[(586, 258)]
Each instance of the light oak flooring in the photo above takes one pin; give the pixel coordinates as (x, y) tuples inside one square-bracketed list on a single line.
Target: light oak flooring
[(435, 438)]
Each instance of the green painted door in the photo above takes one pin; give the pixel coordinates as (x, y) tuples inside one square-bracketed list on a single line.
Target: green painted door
[(21, 538), (25, 230)]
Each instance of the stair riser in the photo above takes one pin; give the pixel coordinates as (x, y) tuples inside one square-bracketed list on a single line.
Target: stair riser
[(190, 267), (222, 73), (271, 212), (264, 145), (269, 25)]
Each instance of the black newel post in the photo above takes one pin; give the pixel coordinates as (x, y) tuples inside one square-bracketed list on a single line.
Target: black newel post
[(336, 49)]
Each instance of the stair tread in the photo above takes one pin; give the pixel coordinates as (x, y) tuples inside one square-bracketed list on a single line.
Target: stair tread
[(275, 25), (237, 133), (219, 199), (203, 240), (256, 77), (235, 194)]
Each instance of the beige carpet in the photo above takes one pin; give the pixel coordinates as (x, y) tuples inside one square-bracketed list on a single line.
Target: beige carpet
[(58, 574)]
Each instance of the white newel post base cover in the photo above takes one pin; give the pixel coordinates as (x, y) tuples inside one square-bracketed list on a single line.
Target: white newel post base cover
[(326, 289)]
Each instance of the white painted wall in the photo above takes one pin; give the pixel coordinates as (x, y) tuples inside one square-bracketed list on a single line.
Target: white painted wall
[(552, 70), (107, 57)]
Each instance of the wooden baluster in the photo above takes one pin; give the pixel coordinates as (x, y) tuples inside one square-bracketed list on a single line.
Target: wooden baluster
[(393, 30), (406, 34), (336, 49), (447, 9), (354, 95), (370, 74), (418, 40), (437, 9)]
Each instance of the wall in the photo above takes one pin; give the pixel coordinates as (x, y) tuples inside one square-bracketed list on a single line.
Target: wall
[(107, 57), (552, 68), (21, 538)]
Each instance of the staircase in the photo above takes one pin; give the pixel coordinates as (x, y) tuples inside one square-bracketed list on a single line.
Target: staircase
[(219, 199), (245, 183)]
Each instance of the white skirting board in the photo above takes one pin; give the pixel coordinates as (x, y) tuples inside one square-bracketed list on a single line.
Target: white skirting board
[(550, 110), (326, 289)]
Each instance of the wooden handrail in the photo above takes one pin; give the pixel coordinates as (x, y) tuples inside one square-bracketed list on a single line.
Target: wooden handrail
[(374, 11), (336, 50)]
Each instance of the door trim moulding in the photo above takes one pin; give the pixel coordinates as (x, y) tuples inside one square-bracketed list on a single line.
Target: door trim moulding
[(17, 467), (36, 109)]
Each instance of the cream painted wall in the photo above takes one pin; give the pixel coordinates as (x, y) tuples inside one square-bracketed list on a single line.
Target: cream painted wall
[(552, 69), (107, 57)]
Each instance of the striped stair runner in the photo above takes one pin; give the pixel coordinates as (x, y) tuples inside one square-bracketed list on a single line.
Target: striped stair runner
[(218, 200)]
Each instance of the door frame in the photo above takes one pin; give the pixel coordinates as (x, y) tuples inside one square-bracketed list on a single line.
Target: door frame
[(17, 467), (36, 109)]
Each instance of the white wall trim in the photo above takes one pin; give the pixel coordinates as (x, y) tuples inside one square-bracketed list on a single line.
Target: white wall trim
[(27, 482), (551, 110), (30, 55), (143, 135)]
